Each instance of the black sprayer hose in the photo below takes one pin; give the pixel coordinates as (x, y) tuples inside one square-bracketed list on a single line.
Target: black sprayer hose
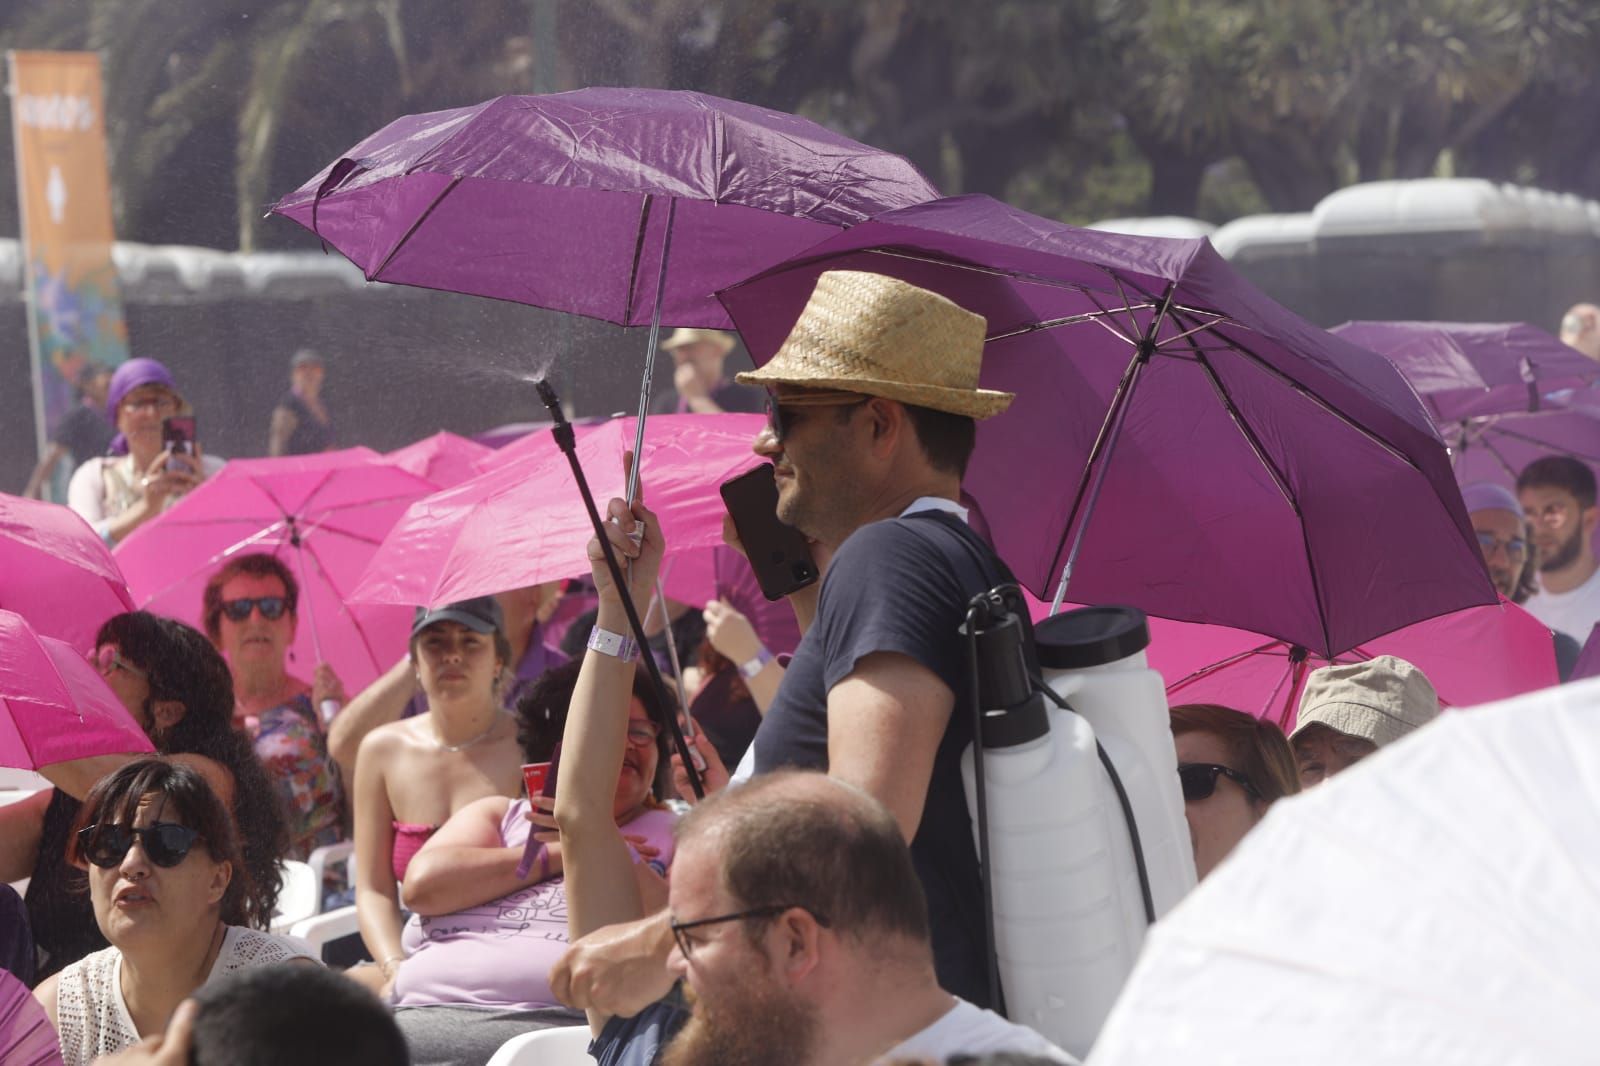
[(986, 873), (566, 441)]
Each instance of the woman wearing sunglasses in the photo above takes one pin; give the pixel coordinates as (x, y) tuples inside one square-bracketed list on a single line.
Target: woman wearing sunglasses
[(170, 892), (491, 908), (175, 685), (250, 616), (1232, 766)]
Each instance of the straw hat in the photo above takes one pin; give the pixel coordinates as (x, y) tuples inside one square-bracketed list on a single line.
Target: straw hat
[(682, 338), (879, 336)]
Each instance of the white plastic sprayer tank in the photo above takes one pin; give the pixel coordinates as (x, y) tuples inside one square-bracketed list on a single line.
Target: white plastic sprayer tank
[(1068, 910)]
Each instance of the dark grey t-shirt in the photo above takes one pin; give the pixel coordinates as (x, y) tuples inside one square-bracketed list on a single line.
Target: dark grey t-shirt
[(638, 1041), (902, 585)]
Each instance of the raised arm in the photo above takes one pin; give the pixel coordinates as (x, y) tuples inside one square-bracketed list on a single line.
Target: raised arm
[(466, 862), (379, 703)]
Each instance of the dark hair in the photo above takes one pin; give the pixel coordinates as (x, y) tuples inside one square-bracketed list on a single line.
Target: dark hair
[(946, 439), (542, 716), (800, 838), (115, 799), (1257, 748), (291, 1012), (183, 665), (1560, 472), (255, 564)]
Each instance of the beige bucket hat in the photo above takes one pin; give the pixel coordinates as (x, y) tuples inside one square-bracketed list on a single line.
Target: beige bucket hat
[(682, 338), (879, 336), (1380, 700)]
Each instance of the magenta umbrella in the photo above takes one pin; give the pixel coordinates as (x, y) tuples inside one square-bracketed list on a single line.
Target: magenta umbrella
[(443, 459), (323, 515), (1179, 442), (521, 523), (26, 1036), (54, 706), (628, 205), (1464, 370), (56, 573)]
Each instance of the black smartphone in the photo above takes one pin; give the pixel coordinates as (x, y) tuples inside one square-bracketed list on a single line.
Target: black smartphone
[(177, 437), (777, 551)]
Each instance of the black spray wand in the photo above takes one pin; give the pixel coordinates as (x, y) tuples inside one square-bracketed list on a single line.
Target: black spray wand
[(567, 442)]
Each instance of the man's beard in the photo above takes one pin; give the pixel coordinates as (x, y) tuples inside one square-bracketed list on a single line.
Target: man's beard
[(1565, 554), (757, 1025)]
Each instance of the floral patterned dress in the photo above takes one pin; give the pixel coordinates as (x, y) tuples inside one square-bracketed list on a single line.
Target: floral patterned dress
[(293, 749)]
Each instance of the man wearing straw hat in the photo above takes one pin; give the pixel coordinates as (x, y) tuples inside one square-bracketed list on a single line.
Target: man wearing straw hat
[(872, 412)]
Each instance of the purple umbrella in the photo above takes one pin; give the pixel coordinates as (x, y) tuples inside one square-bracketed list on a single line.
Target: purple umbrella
[(1464, 370), (628, 205), (1178, 442), (26, 1036)]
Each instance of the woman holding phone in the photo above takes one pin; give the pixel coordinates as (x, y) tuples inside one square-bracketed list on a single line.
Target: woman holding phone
[(119, 492), (490, 899)]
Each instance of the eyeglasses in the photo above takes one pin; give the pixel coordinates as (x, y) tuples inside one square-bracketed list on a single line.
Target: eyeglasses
[(1515, 548), (272, 608), (642, 733), (1199, 780), (106, 659), (165, 843), (779, 423), (685, 944)]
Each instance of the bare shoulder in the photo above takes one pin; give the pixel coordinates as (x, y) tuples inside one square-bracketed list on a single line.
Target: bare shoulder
[(45, 993)]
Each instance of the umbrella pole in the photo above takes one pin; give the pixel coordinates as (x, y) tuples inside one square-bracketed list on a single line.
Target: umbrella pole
[(672, 653), (650, 356), (1101, 460), (329, 707)]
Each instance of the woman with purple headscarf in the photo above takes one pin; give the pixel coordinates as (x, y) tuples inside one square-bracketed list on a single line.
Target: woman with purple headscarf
[(117, 493)]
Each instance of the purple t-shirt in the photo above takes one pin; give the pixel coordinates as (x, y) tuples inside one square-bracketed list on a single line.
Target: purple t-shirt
[(500, 954)]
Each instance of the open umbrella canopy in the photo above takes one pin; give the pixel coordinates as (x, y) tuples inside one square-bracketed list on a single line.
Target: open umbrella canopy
[(26, 1036), (56, 572), (564, 201), (1463, 370), (55, 706), (1194, 449), (1434, 904), (1473, 656), (523, 521), (323, 515), (443, 459)]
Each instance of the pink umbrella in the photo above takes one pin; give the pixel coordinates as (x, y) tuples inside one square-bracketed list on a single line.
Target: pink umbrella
[(323, 515), (444, 458), (523, 522), (54, 706), (1473, 656), (56, 573)]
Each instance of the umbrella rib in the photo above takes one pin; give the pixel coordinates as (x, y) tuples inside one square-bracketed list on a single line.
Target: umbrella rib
[(377, 275), (1279, 480), (1222, 664), (1191, 332), (638, 252), (1537, 443), (1052, 323), (977, 268)]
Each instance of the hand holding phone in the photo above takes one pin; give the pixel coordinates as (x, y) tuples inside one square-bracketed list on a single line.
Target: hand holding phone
[(178, 440), (540, 777), (778, 552)]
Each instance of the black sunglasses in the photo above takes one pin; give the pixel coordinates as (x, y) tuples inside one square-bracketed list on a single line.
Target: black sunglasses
[(685, 944), (272, 608), (779, 421), (1199, 780), (164, 843)]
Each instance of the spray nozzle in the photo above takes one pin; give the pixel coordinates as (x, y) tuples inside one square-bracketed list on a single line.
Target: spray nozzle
[(547, 396)]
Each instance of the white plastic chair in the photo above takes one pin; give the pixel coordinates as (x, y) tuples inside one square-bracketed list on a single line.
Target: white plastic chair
[(16, 795), (322, 929), (564, 1046), (331, 855), (25, 780), (300, 897)]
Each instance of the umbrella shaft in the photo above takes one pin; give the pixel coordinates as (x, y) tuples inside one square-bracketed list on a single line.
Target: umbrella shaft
[(650, 355)]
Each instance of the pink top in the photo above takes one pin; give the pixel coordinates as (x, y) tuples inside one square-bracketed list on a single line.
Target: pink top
[(408, 840), (499, 954)]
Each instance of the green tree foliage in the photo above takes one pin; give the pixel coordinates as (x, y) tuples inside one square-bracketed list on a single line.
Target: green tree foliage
[(1076, 108)]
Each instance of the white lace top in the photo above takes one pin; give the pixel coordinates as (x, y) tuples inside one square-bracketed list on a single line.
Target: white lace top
[(93, 1020)]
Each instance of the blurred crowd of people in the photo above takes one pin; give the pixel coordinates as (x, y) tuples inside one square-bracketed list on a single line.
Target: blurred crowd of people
[(824, 903)]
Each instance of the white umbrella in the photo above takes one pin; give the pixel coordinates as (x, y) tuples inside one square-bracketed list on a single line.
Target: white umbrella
[(1439, 903)]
